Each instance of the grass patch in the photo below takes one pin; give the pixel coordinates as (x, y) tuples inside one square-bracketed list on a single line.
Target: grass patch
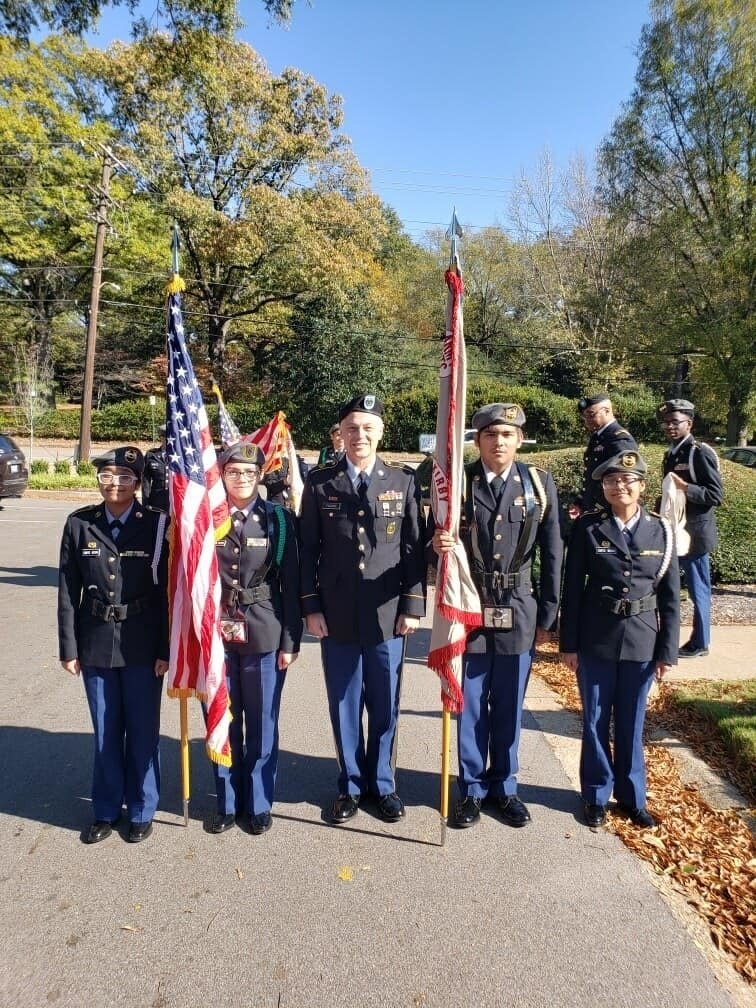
[(729, 710), (61, 481)]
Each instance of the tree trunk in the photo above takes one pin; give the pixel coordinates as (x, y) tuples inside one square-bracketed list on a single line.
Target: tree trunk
[(737, 419)]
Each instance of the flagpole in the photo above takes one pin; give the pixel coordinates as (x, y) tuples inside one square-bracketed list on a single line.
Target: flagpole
[(445, 747), (183, 705), (185, 778), (453, 232)]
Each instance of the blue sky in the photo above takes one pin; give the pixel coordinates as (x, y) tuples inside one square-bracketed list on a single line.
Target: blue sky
[(446, 104)]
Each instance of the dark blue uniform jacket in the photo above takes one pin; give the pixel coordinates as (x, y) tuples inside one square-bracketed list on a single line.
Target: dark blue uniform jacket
[(698, 465), (363, 564), (96, 571), (498, 532), (602, 562), (246, 555)]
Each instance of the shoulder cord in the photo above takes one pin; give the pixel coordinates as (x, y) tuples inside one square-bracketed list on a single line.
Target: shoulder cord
[(669, 542), (159, 540)]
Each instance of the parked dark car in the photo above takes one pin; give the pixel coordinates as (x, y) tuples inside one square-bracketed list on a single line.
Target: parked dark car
[(14, 474), (745, 456)]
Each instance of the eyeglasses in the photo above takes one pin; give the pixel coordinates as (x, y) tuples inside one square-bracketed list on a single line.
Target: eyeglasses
[(616, 481), (675, 423), (241, 474), (115, 479)]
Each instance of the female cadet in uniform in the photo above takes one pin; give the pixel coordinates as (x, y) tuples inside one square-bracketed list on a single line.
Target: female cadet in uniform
[(619, 626), (113, 630), (261, 626)]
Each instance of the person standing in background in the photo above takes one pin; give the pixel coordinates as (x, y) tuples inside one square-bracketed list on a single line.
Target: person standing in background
[(695, 470)]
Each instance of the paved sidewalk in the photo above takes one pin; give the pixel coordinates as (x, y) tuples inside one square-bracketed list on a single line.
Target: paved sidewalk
[(308, 915), (732, 655)]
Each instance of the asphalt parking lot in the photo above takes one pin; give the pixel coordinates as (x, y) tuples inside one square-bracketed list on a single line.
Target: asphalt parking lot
[(307, 915)]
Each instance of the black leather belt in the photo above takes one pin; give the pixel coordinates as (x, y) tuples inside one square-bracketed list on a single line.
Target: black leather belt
[(628, 607), (117, 613), (245, 596), (501, 580)]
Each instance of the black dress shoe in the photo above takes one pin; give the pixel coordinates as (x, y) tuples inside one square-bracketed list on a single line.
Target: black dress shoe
[(390, 807), (343, 808), (638, 816), (467, 812), (139, 831), (260, 823), (221, 823), (99, 830), (513, 812), (691, 651), (595, 815)]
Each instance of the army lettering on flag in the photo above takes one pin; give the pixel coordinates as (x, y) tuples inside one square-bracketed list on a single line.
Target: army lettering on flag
[(457, 605), (199, 515)]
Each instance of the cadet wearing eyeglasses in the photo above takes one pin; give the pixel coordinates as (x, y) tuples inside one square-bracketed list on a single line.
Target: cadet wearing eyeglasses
[(619, 627), (113, 631)]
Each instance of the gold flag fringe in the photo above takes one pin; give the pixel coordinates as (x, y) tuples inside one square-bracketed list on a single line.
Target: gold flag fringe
[(175, 285)]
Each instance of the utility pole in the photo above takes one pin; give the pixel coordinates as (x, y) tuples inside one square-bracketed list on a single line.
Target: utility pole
[(101, 218)]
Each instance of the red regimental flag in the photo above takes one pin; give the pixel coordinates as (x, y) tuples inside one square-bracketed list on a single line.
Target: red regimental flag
[(457, 605), (272, 438)]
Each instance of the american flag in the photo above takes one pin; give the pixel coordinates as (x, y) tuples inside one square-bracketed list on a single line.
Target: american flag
[(229, 432), (199, 515), (457, 606)]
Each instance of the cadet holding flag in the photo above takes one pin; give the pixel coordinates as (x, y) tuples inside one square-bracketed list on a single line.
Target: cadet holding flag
[(363, 590), (511, 512)]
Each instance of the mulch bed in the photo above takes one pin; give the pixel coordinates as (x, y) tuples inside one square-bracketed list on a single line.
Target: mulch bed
[(708, 855)]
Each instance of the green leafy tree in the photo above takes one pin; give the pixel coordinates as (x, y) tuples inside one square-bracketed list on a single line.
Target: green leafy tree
[(19, 18), (680, 167), (272, 207)]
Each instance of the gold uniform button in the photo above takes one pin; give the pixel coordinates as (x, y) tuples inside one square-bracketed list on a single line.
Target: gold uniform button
[(626, 573), (111, 594), (497, 536), (497, 556), (234, 566), (361, 547), (236, 550), (499, 518), (235, 581), (111, 559), (625, 589), (361, 530), (361, 566), (360, 514)]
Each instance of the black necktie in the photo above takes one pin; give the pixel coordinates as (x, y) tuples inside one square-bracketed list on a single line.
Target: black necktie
[(497, 485), (362, 486), (115, 527), (628, 535)]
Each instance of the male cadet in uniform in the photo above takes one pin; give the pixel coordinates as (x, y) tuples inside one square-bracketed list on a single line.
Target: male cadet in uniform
[(261, 626), (607, 440), (113, 629), (363, 572), (510, 510), (695, 471), (155, 476)]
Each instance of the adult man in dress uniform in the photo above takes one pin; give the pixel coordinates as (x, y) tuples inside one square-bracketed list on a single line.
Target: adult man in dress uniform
[(261, 625), (607, 439), (363, 590), (695, 471), (113, 630), (510, 511), (155, 476)]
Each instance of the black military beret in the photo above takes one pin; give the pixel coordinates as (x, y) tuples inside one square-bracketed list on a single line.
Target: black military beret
[(127, 457), (625, 462), (242, 451), (365, 403), (498, 413), (587, 401), (677, 406)]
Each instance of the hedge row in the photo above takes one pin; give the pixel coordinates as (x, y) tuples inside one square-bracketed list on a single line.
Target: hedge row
[(734, 561), (551, 419)]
